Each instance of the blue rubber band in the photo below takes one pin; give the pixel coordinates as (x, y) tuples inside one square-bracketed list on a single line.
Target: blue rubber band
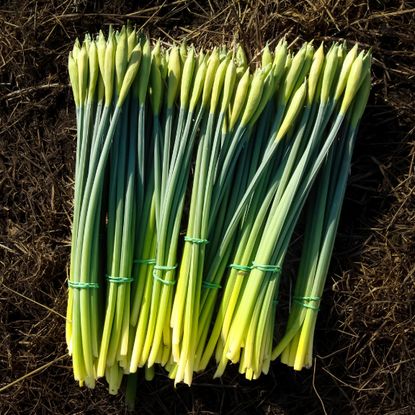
[(80, 284), (196, 240)]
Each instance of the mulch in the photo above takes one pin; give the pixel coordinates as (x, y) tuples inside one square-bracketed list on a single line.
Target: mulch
[(365, 341)]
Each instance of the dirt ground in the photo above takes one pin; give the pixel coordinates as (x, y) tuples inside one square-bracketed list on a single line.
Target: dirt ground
[(365, 342)]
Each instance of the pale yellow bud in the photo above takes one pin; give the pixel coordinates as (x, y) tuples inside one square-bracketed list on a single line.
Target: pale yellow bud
[(198, 85), (130, 74), (329, 72), (241, 58), (76, 49), (353, 83), (156, 88), (254, 97), (228, 85), (361, 101), (101, 89), (315, 72), (121, 58), (82, 62), (212, 67), (269, 90), (308, 60), (240, 98), (266, 58), (217, 84), (183, 52), (73, 77), (280, 59), (109, 65), (93, 69), (132, 40), (187, 78), (174, 73), (293, 73), (144, 72), (344, 73), (294, 108), (101, 46)]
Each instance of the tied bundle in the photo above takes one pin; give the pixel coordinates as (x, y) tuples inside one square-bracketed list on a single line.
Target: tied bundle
[(192, 170)]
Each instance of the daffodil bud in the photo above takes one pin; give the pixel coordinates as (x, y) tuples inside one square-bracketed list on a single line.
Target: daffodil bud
[(269, 89), (308, 60), (187, 78), (293, 73), (241, 58), (329, 72), (121, 58), (240, 99), (130, 74), (93, 70), (198, 85), (174, 73), (228, 85), (361, 101), (101, 89), (254, 96), (217, 84), (183, 52), (82, 62), (200, 58), (353, 83), (76, 49), (315, 72), (294, 108), (101, 46), (156, 88), (131, 40), (109, 65), (144, 72), (212, 67), (266, 58), (73, 77), (280, 58), (344, 73)]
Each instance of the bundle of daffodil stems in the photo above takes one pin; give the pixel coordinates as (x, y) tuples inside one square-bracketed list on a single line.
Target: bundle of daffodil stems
[(193, 168)]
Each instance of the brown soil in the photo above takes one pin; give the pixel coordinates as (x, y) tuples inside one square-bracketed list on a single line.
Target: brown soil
[(365, 345)]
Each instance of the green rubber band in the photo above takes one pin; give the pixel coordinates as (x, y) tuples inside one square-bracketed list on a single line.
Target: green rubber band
[(305, 305), (306, 298), (208, 284), (80, 284), (162, 280), (266, 267), (149, 261), (196, 240), (119, 280), (276, 301), (238, 267), (165, 267)]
